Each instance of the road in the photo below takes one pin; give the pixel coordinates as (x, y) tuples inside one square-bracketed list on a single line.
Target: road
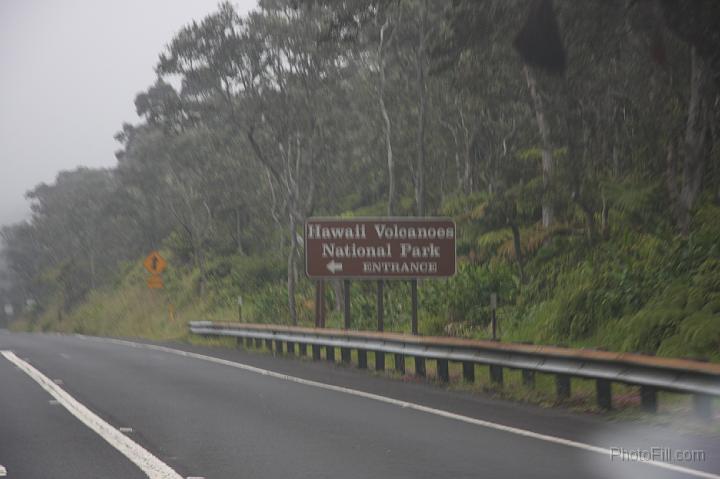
[(222, 413)]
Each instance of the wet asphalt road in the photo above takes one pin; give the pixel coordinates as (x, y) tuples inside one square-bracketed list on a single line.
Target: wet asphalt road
[(212, 420)]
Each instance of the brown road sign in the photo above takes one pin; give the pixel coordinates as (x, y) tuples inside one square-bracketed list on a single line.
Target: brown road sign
[(374, 248), (155, 263)]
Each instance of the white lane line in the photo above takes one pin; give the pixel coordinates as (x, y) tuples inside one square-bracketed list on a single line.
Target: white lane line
[(404, 404), (153, 467), (3, 472)]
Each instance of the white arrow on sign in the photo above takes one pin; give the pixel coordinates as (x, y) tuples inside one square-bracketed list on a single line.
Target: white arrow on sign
[(334, 267)]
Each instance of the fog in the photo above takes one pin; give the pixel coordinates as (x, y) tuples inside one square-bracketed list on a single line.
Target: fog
[(69, 73)]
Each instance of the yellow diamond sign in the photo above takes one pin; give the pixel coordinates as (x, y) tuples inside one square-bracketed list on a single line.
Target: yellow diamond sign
[(155, 263)]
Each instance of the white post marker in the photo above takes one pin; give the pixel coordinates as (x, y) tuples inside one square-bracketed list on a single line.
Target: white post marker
[(153, 467)]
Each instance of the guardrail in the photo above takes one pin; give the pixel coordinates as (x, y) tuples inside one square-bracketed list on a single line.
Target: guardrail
[(650, 373)]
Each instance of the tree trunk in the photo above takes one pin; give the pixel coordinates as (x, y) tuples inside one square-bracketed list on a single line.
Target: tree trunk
[(456, 154), (92, 269), (696, 139), (467, 185), (518, 250), (458, 168), (605, 224), (467, 177), (291, 271), (589, 220), (392, 187), (200, 258), (547, 160), (238, 232), (422, 100)]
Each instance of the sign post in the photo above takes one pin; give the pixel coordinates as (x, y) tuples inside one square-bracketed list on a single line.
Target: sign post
[(320, 304), (493, 307), (414, 299), (379, 249), (346, 303), (380, 306)]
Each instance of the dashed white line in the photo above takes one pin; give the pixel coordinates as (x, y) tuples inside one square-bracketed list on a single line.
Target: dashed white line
[(153, 467), (404, 404), (3, 471)]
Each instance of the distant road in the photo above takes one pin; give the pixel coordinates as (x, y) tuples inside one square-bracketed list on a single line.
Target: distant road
[(221, 413)]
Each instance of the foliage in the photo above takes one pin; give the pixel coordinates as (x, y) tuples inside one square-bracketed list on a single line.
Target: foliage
[(588, 201), (465, 299)]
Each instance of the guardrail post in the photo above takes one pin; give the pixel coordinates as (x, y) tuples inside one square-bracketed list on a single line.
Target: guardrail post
[(291, 348), (302, 349), (258, 343), (528, 378), (420, 366), (648, 398), (362, 359), (278, 346), (316, 352), (268, 344), (443, 370), (248, 342), (604, 393), (345, 355), (562, 386), (330, 353), (379, 361), (496, 374), (468, 371), (239, 342), (702, 404), (400, 363)]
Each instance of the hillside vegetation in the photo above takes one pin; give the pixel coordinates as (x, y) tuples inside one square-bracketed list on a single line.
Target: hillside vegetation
[(574, 143)]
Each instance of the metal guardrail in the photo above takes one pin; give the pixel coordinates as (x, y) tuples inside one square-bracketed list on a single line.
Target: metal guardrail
[(652, 374)]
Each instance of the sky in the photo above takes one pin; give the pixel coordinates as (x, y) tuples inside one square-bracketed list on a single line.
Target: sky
[(69, 73)]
